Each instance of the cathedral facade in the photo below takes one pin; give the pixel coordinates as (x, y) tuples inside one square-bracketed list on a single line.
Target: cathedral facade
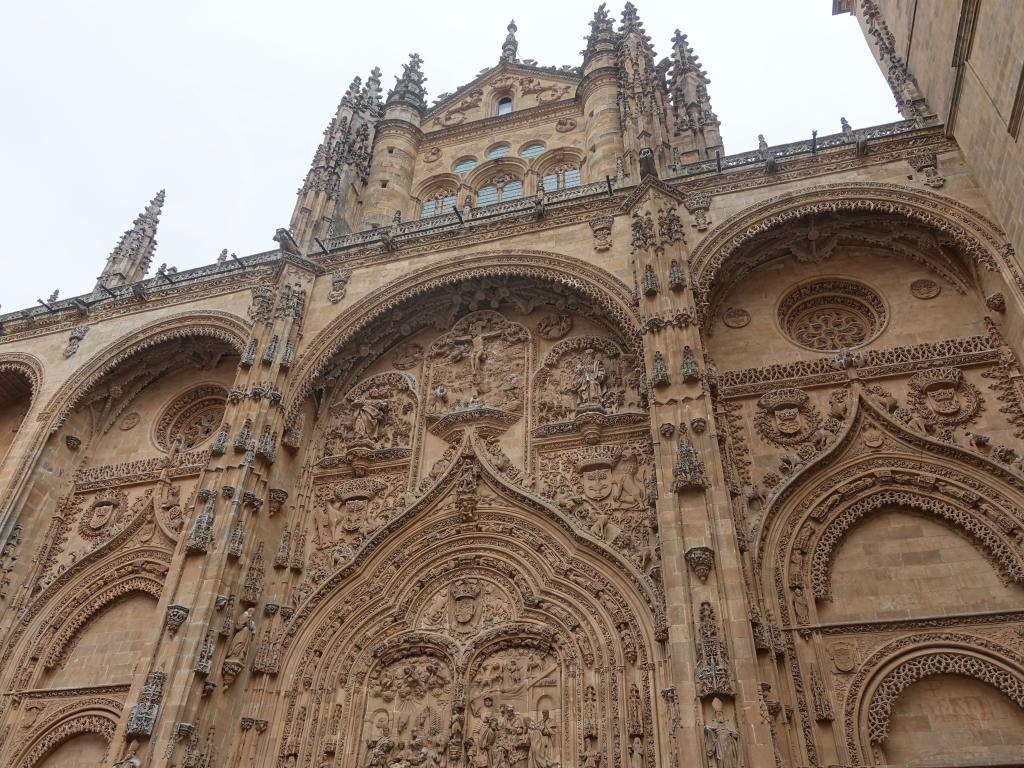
[(547, 435)]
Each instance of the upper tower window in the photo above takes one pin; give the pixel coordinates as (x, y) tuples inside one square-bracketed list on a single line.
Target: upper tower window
[(505, 105), (530, 151), (498, 189), (439, 203), (562, 177), (465, 165), (498, 151)]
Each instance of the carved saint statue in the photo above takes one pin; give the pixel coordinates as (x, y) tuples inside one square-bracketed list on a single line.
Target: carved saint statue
[(129, 760), (721, 742), (239, 647), (369, 415), (591, 379)]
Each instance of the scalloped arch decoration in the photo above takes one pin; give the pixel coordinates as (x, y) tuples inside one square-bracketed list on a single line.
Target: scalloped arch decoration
[(605, 289)]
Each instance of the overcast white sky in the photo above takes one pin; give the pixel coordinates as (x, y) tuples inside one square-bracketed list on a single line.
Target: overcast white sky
[(222, 102)]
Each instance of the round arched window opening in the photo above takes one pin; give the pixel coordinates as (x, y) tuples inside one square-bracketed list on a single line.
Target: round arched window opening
[(465, 165), (505, 105), (498, 151), (832, 314)]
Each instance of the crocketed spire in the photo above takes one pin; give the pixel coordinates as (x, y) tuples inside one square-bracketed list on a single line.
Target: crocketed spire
[(409, 87), (131, 257), (511, 45)]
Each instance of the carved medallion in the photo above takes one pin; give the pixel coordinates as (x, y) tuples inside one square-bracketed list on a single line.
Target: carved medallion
[(194, 416), (786, 417), (105, 511), (924, 289), (942, 396), (833, 314), (734, 317), (130, 421)]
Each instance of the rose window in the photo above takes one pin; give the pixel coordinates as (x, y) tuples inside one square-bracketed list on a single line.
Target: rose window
[(830, 315)]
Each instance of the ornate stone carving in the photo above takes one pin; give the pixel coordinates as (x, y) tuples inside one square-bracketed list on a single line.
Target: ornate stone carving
[(942, 396), (103, 514), (833, 314), (476, 373), (928, 163), (176, 616), (194, 416), (75, 339), (996, 302), (698, 204), (925, 288), (142, 716), (721, 741), (375, 418), (601, 226), (688, 471), (735, 317), (585, 374), (554, 326), (238, 648), (713, 674), (701, 560), (786, 417)]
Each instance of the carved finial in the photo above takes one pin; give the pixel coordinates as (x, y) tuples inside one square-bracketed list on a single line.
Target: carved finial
[(409, 87), (131, 257), (511, 45), (601, 33)]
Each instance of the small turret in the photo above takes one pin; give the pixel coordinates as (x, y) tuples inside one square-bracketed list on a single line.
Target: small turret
[(695, 126), (511, 46), (131, 257), (409, 87), (642, 94), (599, 94)]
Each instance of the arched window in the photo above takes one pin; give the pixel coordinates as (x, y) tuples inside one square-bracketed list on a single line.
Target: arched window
[(562, 177), (505, 105), (465, 165), (437, 204), (498, 151), (530, 151), (499, 189)]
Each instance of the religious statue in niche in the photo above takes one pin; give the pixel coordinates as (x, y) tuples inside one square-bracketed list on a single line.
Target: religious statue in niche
[(347, 512), (941, 397), (586, 374), (477, 370), (377, 415), (407, 713), (603, 489), (466, 606), (514, 710)]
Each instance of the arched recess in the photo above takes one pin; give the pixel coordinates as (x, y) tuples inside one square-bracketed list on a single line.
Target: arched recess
[(389, 306), (497, 606), (886, 675), (57, 613), (93, 715), (225, 327), (20, 381), (725, 254), (806, 519)]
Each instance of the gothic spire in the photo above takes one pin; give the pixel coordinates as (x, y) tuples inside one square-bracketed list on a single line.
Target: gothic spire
[(695, 124), (370, 96), (409, 87), (602, 34), (511, 45), (130, 259)]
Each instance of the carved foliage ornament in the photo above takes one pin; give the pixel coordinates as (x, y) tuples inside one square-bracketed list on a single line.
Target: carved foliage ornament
[(786, 417)]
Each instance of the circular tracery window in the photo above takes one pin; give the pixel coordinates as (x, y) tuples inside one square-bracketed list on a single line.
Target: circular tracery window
[(830, 315), (195, 415)]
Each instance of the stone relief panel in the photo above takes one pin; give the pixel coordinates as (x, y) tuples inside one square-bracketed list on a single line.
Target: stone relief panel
[(605, 490), (376, 417), (477, 373), (466, 607), (586, 374), (344, 513)]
